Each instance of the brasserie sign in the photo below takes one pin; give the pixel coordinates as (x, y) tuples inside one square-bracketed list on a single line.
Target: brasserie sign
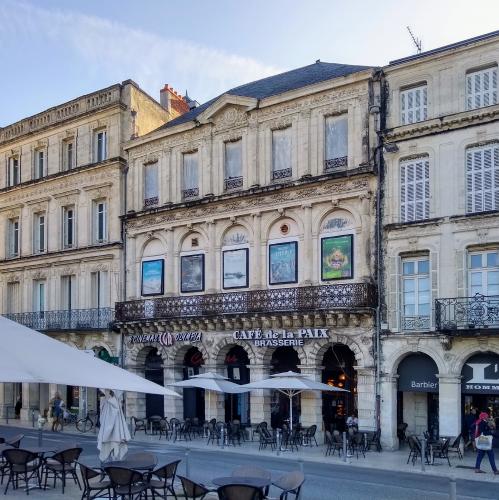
[(280, 337), (166, 339)]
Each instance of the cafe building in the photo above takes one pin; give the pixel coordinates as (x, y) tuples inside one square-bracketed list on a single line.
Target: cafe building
[(250, 249)]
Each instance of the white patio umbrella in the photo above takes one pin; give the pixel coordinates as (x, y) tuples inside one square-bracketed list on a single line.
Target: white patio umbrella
[(210, 381), (30, 356), (291, 384)]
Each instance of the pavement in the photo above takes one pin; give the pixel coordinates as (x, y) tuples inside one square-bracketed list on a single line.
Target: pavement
[(382, 476)]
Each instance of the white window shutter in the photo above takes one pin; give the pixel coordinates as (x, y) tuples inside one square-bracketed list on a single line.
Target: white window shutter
[(482, 178), (414, 105), (415, 190), (481, 88)]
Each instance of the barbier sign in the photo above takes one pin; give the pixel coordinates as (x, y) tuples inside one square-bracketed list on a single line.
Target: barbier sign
[(280, 338), (166, 339)]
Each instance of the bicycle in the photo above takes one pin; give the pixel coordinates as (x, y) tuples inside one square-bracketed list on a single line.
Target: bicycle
[(87, 424), (70, 418)]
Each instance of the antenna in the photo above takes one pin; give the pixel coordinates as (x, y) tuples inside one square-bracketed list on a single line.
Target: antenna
[(417, 41)]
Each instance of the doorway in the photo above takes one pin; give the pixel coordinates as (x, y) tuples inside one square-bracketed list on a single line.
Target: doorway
[(237, 405), (154, 373)]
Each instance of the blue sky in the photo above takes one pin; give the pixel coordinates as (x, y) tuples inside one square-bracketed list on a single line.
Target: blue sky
[(53, 50)]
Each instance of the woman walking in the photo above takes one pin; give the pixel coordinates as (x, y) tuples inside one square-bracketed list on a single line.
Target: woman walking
[(483, 429)]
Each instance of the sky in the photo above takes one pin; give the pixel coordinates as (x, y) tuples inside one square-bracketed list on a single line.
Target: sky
[(52, 51)]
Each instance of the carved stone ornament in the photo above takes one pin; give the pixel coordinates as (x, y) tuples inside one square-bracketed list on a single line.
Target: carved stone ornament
[(39, 275)]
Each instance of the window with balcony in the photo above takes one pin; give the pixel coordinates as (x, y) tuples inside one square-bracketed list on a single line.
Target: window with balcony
[(68, 292), (416, 294), (415, 190), (68, 154), (39, 236), (336, 143), (39, 291), (100, 221), (68, 227), (281, 154), (99, 289), (233, 165), (481, 88), (482, 178), (190, 180), (14, 171), (40, 164), (414, 104), (13, 303), (483, 273), (100, 145), (13, 237), (151, 193)]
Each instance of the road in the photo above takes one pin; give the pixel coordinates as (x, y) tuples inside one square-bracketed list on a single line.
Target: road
[(323, 481)]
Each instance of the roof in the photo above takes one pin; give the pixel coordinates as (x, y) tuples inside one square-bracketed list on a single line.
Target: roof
[(451, 46), (278, 84)]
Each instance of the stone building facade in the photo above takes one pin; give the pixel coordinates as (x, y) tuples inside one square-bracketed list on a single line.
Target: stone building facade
[(250, 248), (61, 197), (441, 239)]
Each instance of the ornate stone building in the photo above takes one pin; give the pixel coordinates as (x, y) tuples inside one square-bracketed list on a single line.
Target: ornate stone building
[(250, 247), (441, 238), (61, 197)]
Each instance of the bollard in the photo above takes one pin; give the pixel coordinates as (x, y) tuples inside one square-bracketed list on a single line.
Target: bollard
[(187, 468), (300, 464), (33, 418), (344, 446), (452, 487), (41, 423), (222, 435), (278, 441), (174, 432), (423, 453)]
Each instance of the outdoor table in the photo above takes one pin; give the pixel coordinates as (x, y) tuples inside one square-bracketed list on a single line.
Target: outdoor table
[(4, 447), (40, 450), (256, 482), (133, 463)]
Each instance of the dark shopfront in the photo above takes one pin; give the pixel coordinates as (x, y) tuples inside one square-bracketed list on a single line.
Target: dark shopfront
[(417, 396), (237, 406)]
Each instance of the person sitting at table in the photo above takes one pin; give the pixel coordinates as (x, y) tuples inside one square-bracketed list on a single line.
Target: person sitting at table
[(353, 421)]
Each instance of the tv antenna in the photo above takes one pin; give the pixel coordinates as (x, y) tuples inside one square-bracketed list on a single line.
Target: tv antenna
[(417, 41)]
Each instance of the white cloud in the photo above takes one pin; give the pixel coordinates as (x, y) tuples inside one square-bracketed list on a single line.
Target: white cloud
[(118, 51)]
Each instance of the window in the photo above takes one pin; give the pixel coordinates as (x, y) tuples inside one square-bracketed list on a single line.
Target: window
[(14, 173), (481, 88), (151, 197), (100, 222), (68, 292), (39, 233), (40, 160), (281, 154), (482, 178), (415, 190), (416, 293), (13, 238), (39, 296), (233, 165), (414, 104), (99, 289), (483, 273), (13, 297), (68, 155), (100, 151), (68, 227), (336, 141), (190, 175)]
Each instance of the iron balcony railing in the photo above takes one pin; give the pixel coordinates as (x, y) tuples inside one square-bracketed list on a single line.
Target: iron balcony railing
[(74, 319), (467, 313), (416, 323), (349, 296), (334, 164)]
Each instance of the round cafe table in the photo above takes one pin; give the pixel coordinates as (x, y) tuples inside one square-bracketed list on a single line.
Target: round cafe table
[(256, 482), (136, 463)]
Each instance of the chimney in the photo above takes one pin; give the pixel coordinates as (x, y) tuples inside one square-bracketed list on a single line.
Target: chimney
[(164, 97), (172, 101)]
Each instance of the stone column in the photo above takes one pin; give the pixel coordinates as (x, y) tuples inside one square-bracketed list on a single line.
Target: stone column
[(304, 144), (170, 263), (252, 156), (366, 398), (256, 254), (389, 412), (30, 400), (306, 258), (449, 404), (174, 407), (4, 401), (311, 402), (135, 402), (211, 259), (259, 399)]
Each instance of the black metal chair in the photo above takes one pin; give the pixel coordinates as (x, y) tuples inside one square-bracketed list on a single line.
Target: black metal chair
[(154, 422), (267, 438), (15, 441), (62, 465), (239, 492), (455, 447), (193, 490), (126, 483), (93, 489), (440, 450), (163, 486), (252, 471), (214, 433), (290, 484), (309, 435), (356, 444), (375, 441), (164, 428), (258, 429), (139, 424), (415, 450), (21, 464)]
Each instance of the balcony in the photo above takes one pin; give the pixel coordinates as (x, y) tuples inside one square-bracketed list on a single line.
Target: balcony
[(310, 299), (151, 202), (416, 323), (75, 319), (468, 315), (284, 173), (233, 183), (188, 194), (335, 164)]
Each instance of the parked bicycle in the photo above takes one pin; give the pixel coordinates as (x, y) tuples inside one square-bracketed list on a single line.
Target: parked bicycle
[(70, 417), (88, 423)]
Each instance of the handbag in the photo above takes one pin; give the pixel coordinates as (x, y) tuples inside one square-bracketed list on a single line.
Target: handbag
[(483, 442)]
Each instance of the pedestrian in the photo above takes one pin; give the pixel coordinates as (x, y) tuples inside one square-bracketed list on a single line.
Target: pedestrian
[(17, 408), (483, 441), (470, 420), (57, 409)]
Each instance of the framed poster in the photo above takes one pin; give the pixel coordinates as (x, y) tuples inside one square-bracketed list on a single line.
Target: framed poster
[(337, 257), (153, 277), (192, 273), (235, 268), (283, 263)]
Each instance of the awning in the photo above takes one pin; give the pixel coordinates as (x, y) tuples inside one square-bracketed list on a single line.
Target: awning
[(418, 373)]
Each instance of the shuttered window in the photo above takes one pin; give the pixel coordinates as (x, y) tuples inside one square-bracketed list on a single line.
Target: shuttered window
[(415, 190), (481, 88), (414, 104), (482, 178)]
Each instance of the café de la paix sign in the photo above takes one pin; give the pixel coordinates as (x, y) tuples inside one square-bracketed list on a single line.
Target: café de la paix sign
[(280, 337)]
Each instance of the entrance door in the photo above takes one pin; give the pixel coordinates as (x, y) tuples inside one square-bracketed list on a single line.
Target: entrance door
[(237, 405), (193, 398), (154, 373)]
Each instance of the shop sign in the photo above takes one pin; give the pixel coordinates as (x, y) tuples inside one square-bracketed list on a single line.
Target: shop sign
[(280, 338), (166, 339), (417, 373), (481, 374)]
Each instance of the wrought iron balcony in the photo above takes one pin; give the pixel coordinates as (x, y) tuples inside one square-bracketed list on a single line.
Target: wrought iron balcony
[(151, 202), (345, 296), (467, 313), (282, 174), (334, 164), (187, 194), (416, 323), (75, 319), (233, 183)]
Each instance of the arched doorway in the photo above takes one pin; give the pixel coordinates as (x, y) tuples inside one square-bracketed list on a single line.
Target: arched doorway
[(193, 398), (284, 359), (338, 362), (154, 373), (237, 405)]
